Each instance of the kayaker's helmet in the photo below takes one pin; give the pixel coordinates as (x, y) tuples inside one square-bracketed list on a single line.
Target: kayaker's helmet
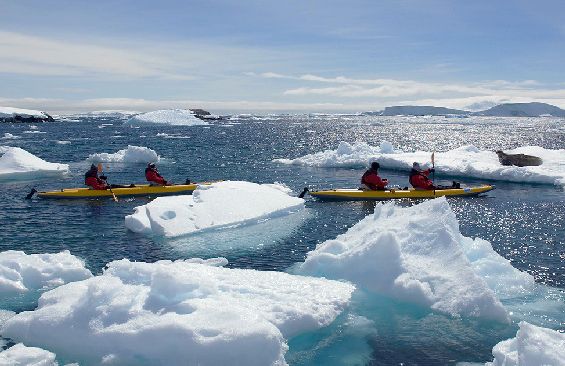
[(375, 165), (416, 166), (93, 167), (151, 165)]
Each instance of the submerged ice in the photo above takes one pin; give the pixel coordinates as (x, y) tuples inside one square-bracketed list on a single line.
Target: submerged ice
[(218, 205), (17, 163), (466, 161), (178, 313)]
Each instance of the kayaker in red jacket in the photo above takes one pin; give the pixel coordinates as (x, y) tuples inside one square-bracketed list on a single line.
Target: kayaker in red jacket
[(419, 178), (153, 176), (371, 179), (92, 180)]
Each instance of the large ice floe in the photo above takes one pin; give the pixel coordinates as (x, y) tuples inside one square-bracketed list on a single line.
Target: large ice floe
[(214, 206), (132, 154), (176, 117), (181, 312), (467, 161), (21, 272), (532, 346), (16, 164), (413, 254), (20, 355)]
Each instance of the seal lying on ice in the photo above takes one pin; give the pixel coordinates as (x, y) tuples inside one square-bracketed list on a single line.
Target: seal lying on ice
[(518, 159)]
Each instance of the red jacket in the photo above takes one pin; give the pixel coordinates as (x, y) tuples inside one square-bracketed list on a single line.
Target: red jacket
[(153, 176), (96, 183), (419, 179), (372, 180)]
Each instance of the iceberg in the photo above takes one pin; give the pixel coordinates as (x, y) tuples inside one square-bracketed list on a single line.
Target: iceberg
[(133, 154), (218, 205), (179, 313), (19, 354), (10, 114), (412, 254), (21, 272), (465, 161), (175, 117), (532, 346), (17, 163)]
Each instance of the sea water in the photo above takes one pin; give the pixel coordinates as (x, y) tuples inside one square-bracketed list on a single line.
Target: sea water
[(523, 222)]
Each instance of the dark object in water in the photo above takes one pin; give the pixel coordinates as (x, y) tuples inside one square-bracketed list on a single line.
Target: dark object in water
[(518, 159)]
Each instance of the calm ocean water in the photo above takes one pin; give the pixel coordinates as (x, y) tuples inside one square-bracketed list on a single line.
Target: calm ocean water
[(524, 222)]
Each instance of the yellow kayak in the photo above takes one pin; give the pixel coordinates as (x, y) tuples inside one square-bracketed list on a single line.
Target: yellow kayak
[(138, 190), (358, 194)]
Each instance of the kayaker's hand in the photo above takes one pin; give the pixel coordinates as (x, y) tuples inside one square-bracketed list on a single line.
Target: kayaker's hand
[(432, 170)]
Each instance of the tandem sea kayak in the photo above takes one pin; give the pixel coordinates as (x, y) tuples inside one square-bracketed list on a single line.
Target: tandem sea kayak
[(361, 195), (137, 190)]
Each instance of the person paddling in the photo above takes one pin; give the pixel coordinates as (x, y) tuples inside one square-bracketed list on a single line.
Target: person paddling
[(419, 178), (371, 179), (420, 181), (92, 180), (153, 177)]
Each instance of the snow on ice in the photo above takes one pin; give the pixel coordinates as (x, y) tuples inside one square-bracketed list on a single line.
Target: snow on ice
[(176, 117), (21, 272), (21, 355), (412, 254), (467, 161), (532, 346), (218, 205), (133, 154), (179, 313), (17, 163)]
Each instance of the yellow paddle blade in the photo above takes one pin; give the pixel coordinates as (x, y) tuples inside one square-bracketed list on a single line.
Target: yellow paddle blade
[(99, 167)]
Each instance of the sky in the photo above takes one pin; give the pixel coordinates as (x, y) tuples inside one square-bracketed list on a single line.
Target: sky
[(260, 56)]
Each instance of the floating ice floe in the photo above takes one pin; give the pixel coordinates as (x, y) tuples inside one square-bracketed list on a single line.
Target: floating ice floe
[(17, 163), (21, 272), (174, 313), (133, 154), (19, 354), (532, 346), (465, 161), (218, 205), (412, 254), (176, 117)]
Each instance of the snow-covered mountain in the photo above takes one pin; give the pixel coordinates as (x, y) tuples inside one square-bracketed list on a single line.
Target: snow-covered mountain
[(523, 110), (533, 109)]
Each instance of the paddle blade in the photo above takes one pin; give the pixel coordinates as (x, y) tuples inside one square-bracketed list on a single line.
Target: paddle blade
[(434, 158), (301, 195), (99, 167)]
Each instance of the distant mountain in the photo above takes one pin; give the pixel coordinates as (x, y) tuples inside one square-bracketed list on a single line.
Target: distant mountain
[(533, 109), (523, 110), (413, 110)]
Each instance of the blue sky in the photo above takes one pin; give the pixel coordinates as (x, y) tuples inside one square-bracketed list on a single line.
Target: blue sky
[(273, 56)]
